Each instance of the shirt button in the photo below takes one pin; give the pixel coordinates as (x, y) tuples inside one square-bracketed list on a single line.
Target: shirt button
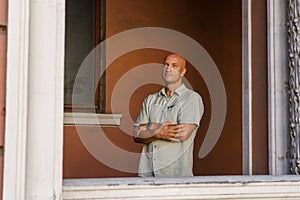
[(154, 146)]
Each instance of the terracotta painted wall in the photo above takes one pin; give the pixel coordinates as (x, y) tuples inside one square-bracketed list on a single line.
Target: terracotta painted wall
[(3, 42), (260, 98), (218, 28), (215, 26)]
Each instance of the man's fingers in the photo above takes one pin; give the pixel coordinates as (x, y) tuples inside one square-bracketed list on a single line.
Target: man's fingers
[(167, 124), (176, 129), (170, 135), (174, 140), (170, 131), (175, 126)]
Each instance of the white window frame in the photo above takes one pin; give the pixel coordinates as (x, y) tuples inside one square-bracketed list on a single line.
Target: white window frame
[(277, 91), (18, 90), (34, 100), (278, 116)]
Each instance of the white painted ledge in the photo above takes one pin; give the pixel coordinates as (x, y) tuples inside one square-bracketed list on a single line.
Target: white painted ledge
[(92, 119), (201, 187)]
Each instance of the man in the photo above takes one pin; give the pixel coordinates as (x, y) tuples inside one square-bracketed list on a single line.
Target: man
[(167, 124)]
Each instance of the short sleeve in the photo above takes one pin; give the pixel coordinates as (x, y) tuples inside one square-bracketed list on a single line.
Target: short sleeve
[(143, 117), (192, 110)]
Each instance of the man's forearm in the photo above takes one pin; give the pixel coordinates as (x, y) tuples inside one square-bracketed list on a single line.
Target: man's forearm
[(155, 131), (145, 136)]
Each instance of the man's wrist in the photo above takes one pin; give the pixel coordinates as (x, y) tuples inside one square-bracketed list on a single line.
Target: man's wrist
[(148, 126), (152, 129)]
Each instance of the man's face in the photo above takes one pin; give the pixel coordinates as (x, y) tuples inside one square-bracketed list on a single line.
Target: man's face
[(173, 69)]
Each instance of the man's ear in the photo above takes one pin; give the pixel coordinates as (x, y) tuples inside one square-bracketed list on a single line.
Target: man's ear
[(183, 71)]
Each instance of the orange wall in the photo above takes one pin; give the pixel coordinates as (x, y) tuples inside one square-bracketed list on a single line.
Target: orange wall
[(218, 28), (260, 98), (3, 39), (79, 163)]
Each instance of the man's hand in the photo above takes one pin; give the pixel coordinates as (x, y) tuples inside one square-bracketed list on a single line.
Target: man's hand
[(166, 131)]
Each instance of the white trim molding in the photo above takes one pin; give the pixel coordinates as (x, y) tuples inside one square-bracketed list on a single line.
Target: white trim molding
[(59, 53), (44, 154), (14, 175), (212, 187), (34, 86), (247, 87), (277, 87), (92, 119)]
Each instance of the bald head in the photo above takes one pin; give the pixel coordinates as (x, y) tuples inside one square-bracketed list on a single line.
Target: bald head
[(181, 60), (174, 68)]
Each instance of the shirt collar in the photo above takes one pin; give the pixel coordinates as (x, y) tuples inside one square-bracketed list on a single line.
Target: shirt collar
[(178, 91)]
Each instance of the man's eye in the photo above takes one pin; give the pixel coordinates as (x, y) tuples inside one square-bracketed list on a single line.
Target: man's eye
[(175, 65)]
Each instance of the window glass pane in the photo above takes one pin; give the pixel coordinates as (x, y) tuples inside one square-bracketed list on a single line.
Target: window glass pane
[(79, 42)]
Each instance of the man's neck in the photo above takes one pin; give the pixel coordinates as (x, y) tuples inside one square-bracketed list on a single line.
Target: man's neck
[(170, 88)]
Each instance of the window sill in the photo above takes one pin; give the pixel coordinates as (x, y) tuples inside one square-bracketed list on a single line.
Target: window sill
[(201, 187), (92, 119)]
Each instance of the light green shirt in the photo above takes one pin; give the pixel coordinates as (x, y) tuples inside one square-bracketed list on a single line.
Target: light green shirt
[(165, 158)]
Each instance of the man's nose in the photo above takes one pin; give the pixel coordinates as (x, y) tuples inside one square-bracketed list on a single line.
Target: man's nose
[(168, 68)]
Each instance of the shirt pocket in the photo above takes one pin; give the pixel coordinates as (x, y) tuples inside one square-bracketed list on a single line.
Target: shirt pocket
[(172, 112)]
